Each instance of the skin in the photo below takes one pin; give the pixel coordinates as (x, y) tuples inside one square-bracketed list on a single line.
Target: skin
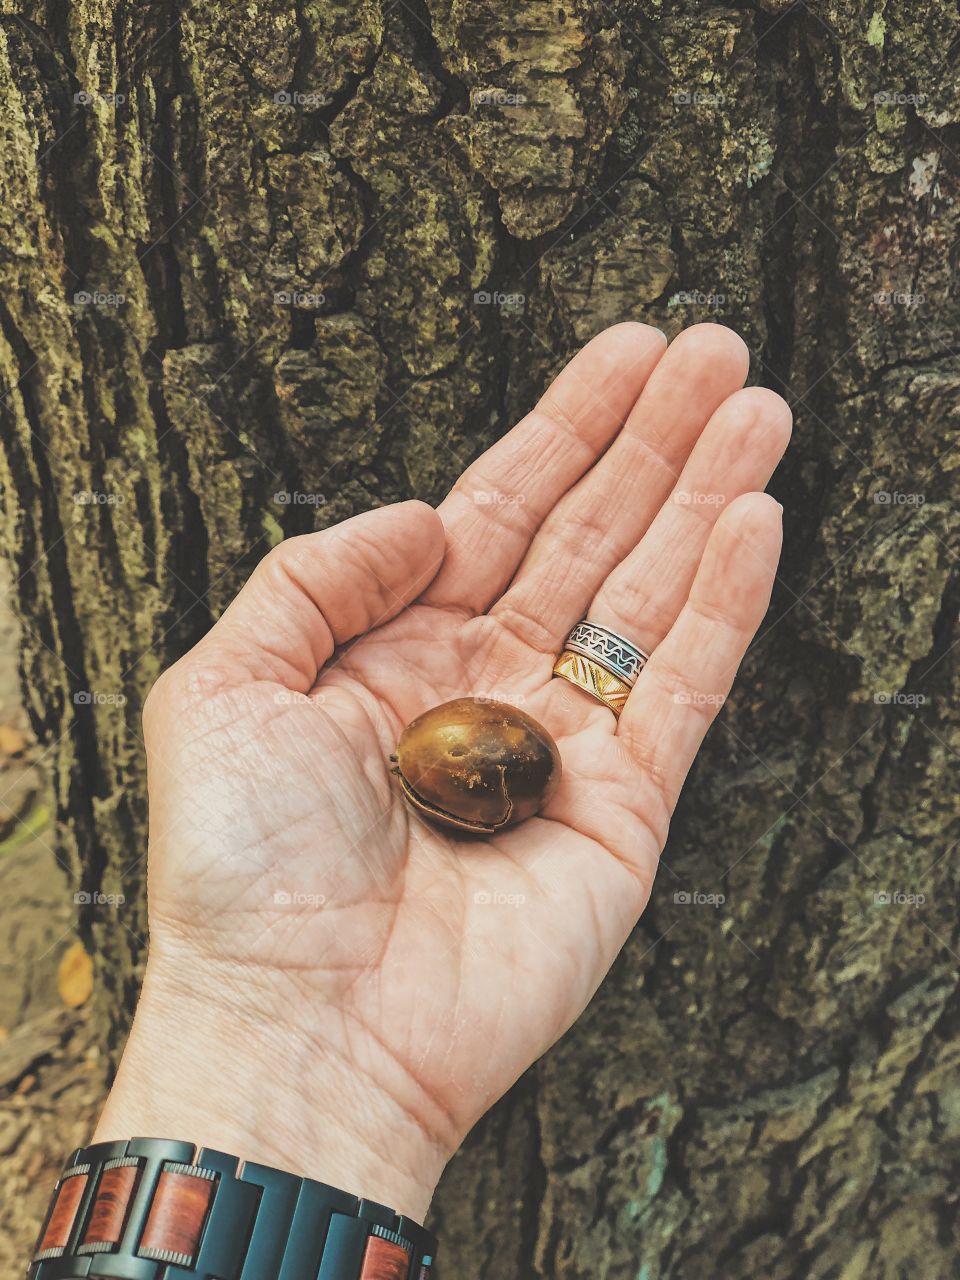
[(334, 986)]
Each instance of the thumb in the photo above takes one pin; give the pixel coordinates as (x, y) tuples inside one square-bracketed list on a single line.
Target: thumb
[(319, 590)]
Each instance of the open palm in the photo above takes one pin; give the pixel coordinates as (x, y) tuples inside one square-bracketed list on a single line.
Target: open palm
[(288, 875)]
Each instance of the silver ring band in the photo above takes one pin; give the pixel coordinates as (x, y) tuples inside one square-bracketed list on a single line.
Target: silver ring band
[(609, 650)]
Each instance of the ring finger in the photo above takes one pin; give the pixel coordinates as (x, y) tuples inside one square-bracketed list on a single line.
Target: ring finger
[(737, 453)]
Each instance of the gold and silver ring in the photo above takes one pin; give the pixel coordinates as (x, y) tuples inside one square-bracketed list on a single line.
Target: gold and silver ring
[(601, 662)]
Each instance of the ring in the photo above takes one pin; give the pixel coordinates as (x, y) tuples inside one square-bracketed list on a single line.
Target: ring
[(593, 679), (611, 651)]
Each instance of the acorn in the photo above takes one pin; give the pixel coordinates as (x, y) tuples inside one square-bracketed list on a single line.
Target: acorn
[(477, 765)]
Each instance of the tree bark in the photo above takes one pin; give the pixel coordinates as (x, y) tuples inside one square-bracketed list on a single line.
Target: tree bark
[(266, 265)]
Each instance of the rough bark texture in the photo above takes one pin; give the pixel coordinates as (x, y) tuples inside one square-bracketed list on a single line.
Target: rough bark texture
[(766, 1087)]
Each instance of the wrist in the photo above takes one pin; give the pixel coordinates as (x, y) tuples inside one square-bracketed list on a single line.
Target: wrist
[(220, 1061)]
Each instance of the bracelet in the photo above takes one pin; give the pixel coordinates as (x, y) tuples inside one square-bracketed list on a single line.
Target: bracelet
[(148, 1209)]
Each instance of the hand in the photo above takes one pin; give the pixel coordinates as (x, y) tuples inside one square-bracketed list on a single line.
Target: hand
[(333, 985)]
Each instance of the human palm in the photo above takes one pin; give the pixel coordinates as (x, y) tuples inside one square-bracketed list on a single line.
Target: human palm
[(287, 873)]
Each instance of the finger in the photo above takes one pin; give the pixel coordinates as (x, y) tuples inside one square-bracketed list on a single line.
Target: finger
[(684, 684), (738, 452), (313, 592), (498, 503), (602, 518)]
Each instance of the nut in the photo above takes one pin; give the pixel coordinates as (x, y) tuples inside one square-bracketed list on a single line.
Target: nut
[(477, 765)]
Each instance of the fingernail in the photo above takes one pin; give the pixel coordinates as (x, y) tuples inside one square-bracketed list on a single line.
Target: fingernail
[(662, 334)]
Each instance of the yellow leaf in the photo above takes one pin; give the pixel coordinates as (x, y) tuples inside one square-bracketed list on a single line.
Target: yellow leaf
[(75, 976), (13, 741)]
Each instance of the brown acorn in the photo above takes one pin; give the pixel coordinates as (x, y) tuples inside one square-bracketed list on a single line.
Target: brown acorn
[(474, 764)]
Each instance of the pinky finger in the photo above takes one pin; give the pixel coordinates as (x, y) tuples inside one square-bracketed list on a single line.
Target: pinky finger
[(684, 684)]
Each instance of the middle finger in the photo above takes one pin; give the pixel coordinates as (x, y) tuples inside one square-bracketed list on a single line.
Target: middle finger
[(599, 521)]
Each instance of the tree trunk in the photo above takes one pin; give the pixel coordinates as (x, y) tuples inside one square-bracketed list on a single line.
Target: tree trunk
[(266, 265)]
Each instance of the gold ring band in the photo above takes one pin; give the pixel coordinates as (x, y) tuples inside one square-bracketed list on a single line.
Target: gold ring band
[(593, 679)]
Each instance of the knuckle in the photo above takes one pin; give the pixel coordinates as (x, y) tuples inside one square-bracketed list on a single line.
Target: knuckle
[(581, 536), (524, 625), (284, 560), (637, 609), (685, 692)]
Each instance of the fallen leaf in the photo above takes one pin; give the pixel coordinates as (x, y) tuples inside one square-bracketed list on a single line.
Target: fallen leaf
[(13, 741), (75, 976)]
